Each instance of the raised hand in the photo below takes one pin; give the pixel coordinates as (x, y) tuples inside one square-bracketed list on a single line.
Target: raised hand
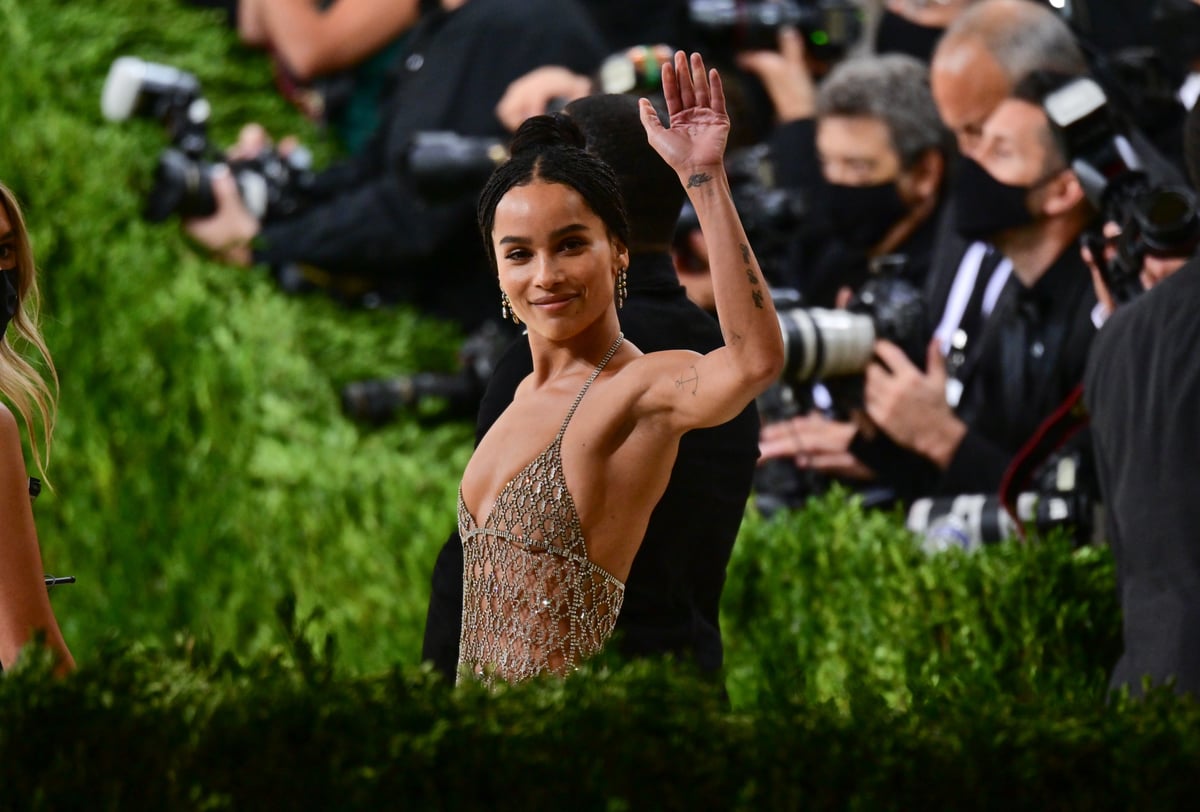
[(699, 125)]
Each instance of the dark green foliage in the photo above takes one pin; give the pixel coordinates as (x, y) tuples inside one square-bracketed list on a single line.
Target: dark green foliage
[(186, 730), (201, 466)]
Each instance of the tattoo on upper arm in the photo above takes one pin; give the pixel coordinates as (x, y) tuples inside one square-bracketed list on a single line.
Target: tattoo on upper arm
[(682, 382), (699, 179), (758, 298), (745, 252)]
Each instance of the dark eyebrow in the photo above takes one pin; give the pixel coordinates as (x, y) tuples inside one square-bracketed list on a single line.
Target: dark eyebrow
[(554, 235)]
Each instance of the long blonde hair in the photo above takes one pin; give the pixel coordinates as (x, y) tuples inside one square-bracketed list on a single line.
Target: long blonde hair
[(29, 391)]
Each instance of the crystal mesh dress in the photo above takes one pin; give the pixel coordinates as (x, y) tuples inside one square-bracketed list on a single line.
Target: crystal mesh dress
[(532, 600)]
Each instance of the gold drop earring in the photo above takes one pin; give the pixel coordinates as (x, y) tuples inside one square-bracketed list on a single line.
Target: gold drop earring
[(506, 309)]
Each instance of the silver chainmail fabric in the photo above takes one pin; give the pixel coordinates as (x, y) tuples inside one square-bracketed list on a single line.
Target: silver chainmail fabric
[(532, 600)]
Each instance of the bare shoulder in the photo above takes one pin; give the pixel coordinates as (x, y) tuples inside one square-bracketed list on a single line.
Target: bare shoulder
[(10, 432), (12, 457)]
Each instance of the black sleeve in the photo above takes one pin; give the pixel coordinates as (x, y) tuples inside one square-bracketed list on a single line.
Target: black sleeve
[(371, 229), (511, 369), (794, 155), (443, 620), (978, 466)]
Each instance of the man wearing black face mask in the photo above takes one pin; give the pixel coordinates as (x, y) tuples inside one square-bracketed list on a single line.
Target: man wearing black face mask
[(882, 150), (1021, 196), (871, 164)]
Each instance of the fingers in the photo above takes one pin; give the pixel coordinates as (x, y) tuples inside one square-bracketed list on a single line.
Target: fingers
[(688, 84), (716, 92), (650, 119), (791, 45), (892, 356), (700, 81), (670, 88), (224, 187), (687, 91), (935, 364)]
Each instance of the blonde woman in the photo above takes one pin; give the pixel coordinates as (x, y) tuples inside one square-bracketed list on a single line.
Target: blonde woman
[(25, 611)]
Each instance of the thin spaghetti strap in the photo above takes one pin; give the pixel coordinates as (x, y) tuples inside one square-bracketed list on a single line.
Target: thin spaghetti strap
[(595, 374)]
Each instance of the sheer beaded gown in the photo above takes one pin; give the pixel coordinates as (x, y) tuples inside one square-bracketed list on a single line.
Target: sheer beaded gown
[(533, 601)]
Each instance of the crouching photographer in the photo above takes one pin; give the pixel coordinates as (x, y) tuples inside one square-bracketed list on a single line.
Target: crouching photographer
[(1141, 391)]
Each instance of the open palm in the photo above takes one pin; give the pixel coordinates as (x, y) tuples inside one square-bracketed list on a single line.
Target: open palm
[(699, 125)]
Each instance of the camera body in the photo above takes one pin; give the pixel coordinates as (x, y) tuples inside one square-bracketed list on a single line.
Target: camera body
[(270, 184), (1063, 497), (445, 165), (377, 401), (1160, 220), (829, 27)]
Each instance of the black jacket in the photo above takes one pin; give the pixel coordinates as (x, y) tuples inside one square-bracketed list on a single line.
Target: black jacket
[(1142, 391), (673, 592), (1035, 348)]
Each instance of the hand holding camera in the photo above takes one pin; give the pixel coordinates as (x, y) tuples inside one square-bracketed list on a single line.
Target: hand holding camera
[(223, 198)]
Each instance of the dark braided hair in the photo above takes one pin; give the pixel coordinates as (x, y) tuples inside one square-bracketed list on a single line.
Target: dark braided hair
[(550, 149)]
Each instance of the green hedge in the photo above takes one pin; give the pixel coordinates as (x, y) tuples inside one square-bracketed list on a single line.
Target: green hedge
[(139, 729)]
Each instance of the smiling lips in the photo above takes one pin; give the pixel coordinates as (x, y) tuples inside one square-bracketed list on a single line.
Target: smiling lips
[(554, 300)]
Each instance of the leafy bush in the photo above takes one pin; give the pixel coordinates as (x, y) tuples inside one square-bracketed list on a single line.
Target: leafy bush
[(202, 469)]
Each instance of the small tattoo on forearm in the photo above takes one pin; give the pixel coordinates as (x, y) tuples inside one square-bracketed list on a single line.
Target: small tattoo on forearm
[(758, 298), (753, 277), (699, 179), (682, 382), (745, 252)]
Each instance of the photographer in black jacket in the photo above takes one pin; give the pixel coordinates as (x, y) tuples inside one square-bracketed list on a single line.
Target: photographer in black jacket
[(364, 227), (1142, 390)]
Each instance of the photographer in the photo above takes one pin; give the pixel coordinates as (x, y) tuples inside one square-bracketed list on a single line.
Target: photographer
[(1141, 390), (363, 225), (882, 154), (1022, 197)]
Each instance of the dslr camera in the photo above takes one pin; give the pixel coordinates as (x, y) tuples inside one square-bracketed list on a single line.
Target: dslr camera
[(829, 27), (270, 184), (1156, 219), (378, 401), (1063, 497)]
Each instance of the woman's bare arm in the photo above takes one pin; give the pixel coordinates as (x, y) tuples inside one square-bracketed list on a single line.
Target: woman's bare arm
[(710, 389), (24, 602), (313, 42)]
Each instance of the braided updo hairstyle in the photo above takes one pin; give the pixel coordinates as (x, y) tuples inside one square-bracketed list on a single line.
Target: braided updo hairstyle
[(550, 149)]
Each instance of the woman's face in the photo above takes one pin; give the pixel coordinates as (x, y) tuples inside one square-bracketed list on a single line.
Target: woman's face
[(555, 257)]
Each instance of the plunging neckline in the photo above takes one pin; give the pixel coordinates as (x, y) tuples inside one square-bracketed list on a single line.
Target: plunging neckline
[(556, 443)]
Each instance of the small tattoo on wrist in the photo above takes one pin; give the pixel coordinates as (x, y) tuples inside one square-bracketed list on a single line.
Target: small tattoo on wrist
[(699, 179)]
